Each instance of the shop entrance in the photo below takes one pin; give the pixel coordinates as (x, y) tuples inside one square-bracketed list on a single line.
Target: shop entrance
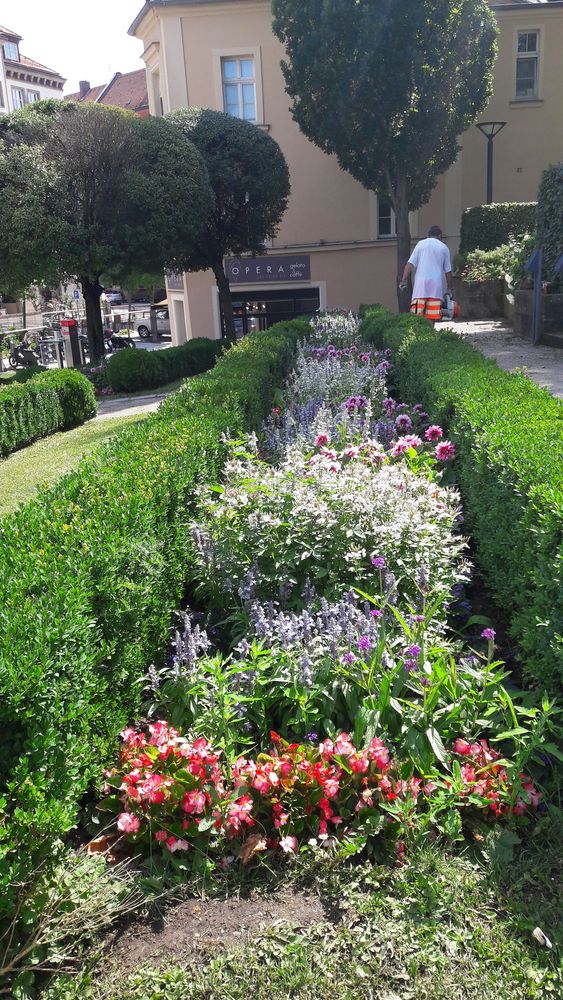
[(259, 309)]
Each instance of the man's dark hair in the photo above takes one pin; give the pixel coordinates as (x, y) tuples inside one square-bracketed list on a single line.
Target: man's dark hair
[(435, 232)]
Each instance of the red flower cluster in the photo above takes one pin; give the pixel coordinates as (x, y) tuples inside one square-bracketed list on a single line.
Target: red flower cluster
[(174, 791), (484, 775)]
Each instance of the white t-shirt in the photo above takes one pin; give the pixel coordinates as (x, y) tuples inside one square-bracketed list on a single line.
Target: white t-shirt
[(431, 258)]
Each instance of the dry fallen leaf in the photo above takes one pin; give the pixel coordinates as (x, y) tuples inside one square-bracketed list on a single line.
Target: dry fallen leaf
[(251, 846)]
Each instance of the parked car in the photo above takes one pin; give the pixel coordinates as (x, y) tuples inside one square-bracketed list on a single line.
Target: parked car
[(114, 298), (143, 326)]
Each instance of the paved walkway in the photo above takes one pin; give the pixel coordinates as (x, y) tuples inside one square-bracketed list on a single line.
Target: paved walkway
[(495, 339), (128, 405)]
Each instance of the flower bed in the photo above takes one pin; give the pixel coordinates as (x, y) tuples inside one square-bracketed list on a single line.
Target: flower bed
[(510, 454), (333, 565)]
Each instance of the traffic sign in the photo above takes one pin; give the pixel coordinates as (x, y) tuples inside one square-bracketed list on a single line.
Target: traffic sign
[(76, 294)]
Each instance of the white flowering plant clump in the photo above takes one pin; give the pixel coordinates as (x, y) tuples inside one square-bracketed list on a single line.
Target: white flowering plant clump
[(386, 530), (333, 326), (335, 377)]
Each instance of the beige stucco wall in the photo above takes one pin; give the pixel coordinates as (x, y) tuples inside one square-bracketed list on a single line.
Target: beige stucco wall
[(185, 44)]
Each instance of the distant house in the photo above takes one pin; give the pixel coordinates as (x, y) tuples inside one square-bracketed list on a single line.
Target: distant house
[(124, 90), (23, 80)]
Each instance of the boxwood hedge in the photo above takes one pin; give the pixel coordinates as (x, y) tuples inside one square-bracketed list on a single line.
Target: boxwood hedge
[(509, 435), (489, 226), (129, 371), (51, 401), (91, 572)]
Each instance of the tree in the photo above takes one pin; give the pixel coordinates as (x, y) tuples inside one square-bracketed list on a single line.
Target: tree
[(93, 193), (388, 86), (250, 180)]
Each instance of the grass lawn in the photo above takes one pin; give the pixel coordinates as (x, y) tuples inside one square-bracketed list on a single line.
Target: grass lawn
[(47, 460), (440, 928)]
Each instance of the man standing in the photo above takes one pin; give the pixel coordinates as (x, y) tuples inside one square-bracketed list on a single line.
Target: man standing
[(430, 260)]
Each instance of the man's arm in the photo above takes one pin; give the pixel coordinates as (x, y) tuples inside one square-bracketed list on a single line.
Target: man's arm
[(449, 281), (409, 270)]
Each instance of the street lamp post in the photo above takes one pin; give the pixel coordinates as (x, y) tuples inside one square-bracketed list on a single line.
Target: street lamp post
[(490, 130)]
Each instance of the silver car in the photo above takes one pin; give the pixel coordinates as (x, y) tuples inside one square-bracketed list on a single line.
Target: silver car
[(143, 326)]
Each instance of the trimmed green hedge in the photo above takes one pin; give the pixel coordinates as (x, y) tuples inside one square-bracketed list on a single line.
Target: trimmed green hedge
[(52, 401), (92, 570), (487, 227), (129, 371), (550, 218), (21, 375), (509, 435)]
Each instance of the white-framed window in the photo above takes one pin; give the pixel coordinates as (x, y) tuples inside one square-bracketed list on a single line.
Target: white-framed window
[(18, 97), (386, 223), (33, 95), (11, 51), (238, 76), (527, 65)]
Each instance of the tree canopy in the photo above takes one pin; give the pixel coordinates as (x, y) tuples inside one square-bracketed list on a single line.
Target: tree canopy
[(250, 181), (91, 192), (388, 86)]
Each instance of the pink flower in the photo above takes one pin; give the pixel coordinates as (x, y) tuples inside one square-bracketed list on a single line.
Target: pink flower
[(462, 747), (174, 844), (289, 845), (433, 433), (321, 440), (161, 836), (399, 448), (331, 788), (128, 823), (412, 440), (193, 802), (444, 451), (153, 790)]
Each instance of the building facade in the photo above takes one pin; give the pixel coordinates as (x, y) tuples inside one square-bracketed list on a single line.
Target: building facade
[(23, 80), (124, 90), (336, 245)]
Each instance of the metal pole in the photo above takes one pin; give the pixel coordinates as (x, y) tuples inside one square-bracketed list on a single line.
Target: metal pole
[(537, 302), (489, 170)]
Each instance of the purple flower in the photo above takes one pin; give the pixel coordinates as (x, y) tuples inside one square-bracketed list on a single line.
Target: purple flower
[(364, 644), (378, 562), (413, 652), (410, 665), (418, 618), (376, 613), (488, 633), (311, 737), (349, 658), (403, 422)]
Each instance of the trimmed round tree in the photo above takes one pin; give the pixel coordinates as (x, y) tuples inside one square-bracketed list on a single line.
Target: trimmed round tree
[(250, 180), (94, 193), (388, 86)]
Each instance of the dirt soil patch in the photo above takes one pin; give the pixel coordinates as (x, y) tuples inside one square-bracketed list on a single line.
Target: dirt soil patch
[(200, 927)]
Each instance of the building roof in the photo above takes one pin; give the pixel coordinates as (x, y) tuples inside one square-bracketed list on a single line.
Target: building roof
[(124, 90), (32, 64), (12, 35)]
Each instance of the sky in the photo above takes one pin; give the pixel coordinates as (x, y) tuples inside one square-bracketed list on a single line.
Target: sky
[(81, 39)]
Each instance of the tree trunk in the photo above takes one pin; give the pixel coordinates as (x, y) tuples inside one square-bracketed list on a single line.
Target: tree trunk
[(401, 206), (91, 290), (226, 302)]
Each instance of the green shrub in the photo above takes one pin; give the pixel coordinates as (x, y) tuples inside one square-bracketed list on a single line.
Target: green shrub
[(129, 371), (21, 375), (550, 217), (509, 435), (489, 226), (485, 265), (92, 570), (51, 402)]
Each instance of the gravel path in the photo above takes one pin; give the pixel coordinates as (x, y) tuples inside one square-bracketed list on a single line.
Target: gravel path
[(495, 339)]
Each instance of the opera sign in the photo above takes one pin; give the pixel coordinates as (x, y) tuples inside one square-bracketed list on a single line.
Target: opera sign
[(252, 270)]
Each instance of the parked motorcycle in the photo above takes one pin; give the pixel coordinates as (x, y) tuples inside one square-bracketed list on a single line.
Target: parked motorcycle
[(23, 355), (114, 342)]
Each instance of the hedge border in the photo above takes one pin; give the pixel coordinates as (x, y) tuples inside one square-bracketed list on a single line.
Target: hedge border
[(509, 435), (129, 371), (487, 227), (93, 570), (49, 402)]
